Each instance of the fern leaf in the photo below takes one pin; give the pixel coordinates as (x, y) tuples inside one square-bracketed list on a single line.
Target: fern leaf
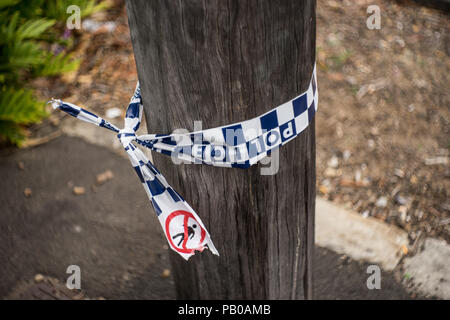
[(33, 28), (55, 65), (8, 3), (20, 106)]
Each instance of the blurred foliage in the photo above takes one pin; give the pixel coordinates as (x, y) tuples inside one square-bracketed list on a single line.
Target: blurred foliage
[(32, 44)]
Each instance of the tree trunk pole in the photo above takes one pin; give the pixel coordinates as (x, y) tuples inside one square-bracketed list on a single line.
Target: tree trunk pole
[(222, 62)]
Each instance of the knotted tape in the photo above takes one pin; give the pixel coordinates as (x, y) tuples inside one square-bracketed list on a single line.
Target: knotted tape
[(238, 145)]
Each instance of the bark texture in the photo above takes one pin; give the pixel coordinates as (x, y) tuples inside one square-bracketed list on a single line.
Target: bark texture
[(221, 62)]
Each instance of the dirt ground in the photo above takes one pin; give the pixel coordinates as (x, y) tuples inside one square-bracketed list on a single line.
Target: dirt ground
[(383, 125), (383, 122)]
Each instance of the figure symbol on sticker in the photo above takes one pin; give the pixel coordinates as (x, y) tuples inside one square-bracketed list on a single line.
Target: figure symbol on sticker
[(191, 234), (184, 232)]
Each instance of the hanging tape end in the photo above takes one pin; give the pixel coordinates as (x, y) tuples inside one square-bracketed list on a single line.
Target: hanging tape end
[(56, 103)]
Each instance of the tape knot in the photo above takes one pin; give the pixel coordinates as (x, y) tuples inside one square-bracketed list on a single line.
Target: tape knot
[(126, 136)]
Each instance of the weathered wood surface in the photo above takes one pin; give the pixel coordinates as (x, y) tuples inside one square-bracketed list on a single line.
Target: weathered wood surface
[(222, 62)]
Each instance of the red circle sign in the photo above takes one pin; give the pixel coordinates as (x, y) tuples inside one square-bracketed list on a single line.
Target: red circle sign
[(188, 231)]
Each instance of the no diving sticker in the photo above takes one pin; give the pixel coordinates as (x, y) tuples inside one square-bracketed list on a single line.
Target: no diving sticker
[(184, 232)]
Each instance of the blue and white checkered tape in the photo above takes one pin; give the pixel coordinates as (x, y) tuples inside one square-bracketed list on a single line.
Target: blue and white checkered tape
[(238, 145)]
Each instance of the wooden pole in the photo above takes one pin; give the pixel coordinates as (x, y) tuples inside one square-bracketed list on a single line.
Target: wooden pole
[(222, 62)]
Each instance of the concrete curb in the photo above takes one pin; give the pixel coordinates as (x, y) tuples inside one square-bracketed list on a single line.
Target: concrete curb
[(370, 240), (429, 270), (360, 238)]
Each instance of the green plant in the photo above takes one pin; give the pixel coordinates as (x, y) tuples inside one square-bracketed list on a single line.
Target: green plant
[(27, 30)]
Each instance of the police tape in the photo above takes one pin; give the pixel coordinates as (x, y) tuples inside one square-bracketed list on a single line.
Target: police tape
[(238, 145)]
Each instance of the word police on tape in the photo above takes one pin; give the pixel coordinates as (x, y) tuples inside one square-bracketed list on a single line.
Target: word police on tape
[(238, 145)]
